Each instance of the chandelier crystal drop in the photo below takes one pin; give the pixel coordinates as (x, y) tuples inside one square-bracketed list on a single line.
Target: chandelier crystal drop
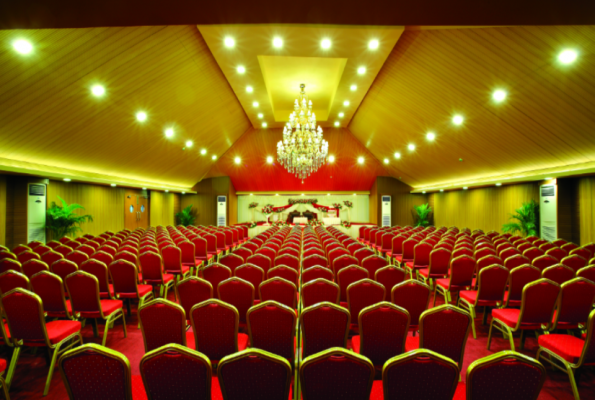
[(302, 150)]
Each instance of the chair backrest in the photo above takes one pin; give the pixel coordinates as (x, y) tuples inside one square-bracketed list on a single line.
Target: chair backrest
[(313, 260), (388, 277), (558, 273), (413, 296), (262, 261), (362, 294), (50, 289), (100, 271), (587, 272), (362, 254), (151, 266), (533, 252), (253, 274), (27, 255), (574, 303), (239, 293), (83, 291), (24, 314), (343, 261), (492, 284), (271, 327), (162, 322), (324, 325), (193, 290), (491, 377), (10, 264), (12, 279), (407, 376), (83, 371), (215, 326), (50, 256), (78, 257), (124, 278), (319, 290), (289, 260), (516, 261), (487, 261), (538, 302), (215, 274), (279, 290), (336, 373), (174, 371), (317, 272), (373, 264), (449, 342), (285, 272), (383, 329), (574, 261), (267, 375), (349, 275), (172, 258), (542, 262), (33, 266), (243, 252)]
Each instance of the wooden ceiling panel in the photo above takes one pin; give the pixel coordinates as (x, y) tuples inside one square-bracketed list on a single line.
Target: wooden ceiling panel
[(48, 116), (546, 120)]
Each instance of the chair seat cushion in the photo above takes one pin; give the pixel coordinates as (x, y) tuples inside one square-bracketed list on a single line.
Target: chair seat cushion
[(409, 263), (184, 271), (412, 343), (510, 316), (105, 295), (471, 296), (444, 282), (166, 278), (356, 343), (60, 330), (566, 346), (3, 365), (142, 290), (108, 307), (190, 264), (204, 258), (243, 340)]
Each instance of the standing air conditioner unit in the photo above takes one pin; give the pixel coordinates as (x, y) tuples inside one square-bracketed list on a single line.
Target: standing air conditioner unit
[(385, 210), (548, 212), (36, 208), (221, 210)]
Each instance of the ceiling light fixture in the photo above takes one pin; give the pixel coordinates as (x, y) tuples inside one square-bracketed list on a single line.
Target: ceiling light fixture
[(144, 188), (337, 123), (411, 146), (166, 191), (424, 192), (465, 188), (249, 89), (567, 56), (397, 155), (169, 132), (255, 104), (353, 88), (189, 143), (441, 190), (341, 115), (302, 150), (214, 157), (229, 42), (360, 160), (430, 136), (373, 45), (331, 159), (67, 179), (203, 151), (238, 160), (325, 44), (97, 90), (548, 178), (386, 160), (499, 95), (361, 70), (183, 192), (22, 46), (260, 115), (264, 125), (269, 159), (278, 42), (457, 119), (141, 116), (113, 185), (241, 69), (346, 103), (498, 184)]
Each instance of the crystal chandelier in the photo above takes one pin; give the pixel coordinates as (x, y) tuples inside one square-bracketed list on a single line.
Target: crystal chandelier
[(302, 150)]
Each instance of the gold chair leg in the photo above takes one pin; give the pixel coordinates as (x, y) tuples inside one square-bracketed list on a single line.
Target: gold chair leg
[(570, 372), (51, 371), (124, 325), (473, 316), (435, 295), (13, 365), (95, 330), (490, 334)]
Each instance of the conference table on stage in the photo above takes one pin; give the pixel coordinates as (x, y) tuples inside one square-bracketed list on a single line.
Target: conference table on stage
[(300, 220), (331, 221)]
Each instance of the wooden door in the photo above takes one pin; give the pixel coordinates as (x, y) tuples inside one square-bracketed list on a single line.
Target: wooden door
[(143, 210), (131, 210)]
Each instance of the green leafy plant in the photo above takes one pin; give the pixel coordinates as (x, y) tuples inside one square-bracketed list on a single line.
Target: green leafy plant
[(422, 214), (62, 221), (527, 217), (185, 216)]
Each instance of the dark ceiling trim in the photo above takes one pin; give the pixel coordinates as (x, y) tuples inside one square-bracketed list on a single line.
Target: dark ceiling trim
[(36, 14)]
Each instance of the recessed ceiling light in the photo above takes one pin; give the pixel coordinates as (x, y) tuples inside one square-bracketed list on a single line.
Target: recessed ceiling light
[(238, 160), (328, 194), (353, 88), (270, 159), (341, 115), (397, 155), (548, 178), (430, 136), (325, 44), (499, 95), (361, 70), (337, 123), (97, 90), (166, 191), (189, 143), (113, 185), (442, 190), (276, 194), (67, 179), (260, 115), (169, 132), (229, 42), (255, 104), (144, 188), (360, 160), (373, 45), (249, 89), (203, 151), (355, 194), (498, 184), (264, 125), (141, 116), (22, 46), (346, 103), (331, 159), (303, 194), (386, 160), (278, 42), (457, 119), (241, 69), (214, 157), (465, 188), (567, 56), (183, 192), (424, 192), (411, 146), (251, 194)]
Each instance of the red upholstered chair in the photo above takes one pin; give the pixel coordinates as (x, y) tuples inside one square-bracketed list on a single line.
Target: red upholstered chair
[(253, 274), (267, 251), (313, 260), (401, 376), (542, 262), (533, 253), (383, 328), (271, 327), (49, 257), (240, 294), (99, 270), (557, 253), (362, 254), (574, 304), (438, 267), (162, 368), (152, 271), (27, 255), (285, 272), (252, 246), (323, 325), (559, 242), (221, 245), (163, 322), (87, 249), (262, 261), (319, 290), (232, 261), (279, 290), (373, 264), (362, 294), (587, 272), (243, 252), (64, 250), (50, 289), (78, 257), (33, 266), (83, 371), (188, 252), (335, 254), (172, 262), (509, 252), (347, 276), (485, 262), (485, 251), (461, 277), (215, 326), (388, 277), (524, 246), (205, 248), (317, 272), (537, 308), (408, 251), (28, 328), (268, 376), (413, 296), (83, 290), (289, 251), (288, 260), (106, 248), (492, 284), (193, 290), (491, 377), (102, 257), (336, 373), (516, 261), (583, 252), (558, 273), (215, 273), (519, 278), (574, 261), (20, 248), (41, 250), (10, 264), (342, 262), (462, 251), (125, 284), (352, 248), (11, 280)]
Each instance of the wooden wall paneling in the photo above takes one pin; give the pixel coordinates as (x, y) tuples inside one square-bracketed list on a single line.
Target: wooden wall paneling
[(402, 201), (3, 210), (374, 202), (232, 206), (19, 210), (586, 196), (482, 208), (568, 212), (162, 208)]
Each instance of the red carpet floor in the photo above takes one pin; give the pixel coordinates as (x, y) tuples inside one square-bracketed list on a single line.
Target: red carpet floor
[(32, 369)]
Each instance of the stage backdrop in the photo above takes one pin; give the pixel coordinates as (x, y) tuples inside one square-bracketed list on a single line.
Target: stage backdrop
[(359, 213)]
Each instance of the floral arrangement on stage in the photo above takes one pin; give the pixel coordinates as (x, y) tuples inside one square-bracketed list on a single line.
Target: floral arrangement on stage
[(253, 205), (346, 224), (302, 201), (338, 206), (252, 225), (268, 209), (280, 223), (315, 222), (348, 204)]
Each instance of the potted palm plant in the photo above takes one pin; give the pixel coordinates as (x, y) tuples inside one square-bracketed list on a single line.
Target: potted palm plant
[(62, 221), (185, 216), (527, 216), (422, 214)]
